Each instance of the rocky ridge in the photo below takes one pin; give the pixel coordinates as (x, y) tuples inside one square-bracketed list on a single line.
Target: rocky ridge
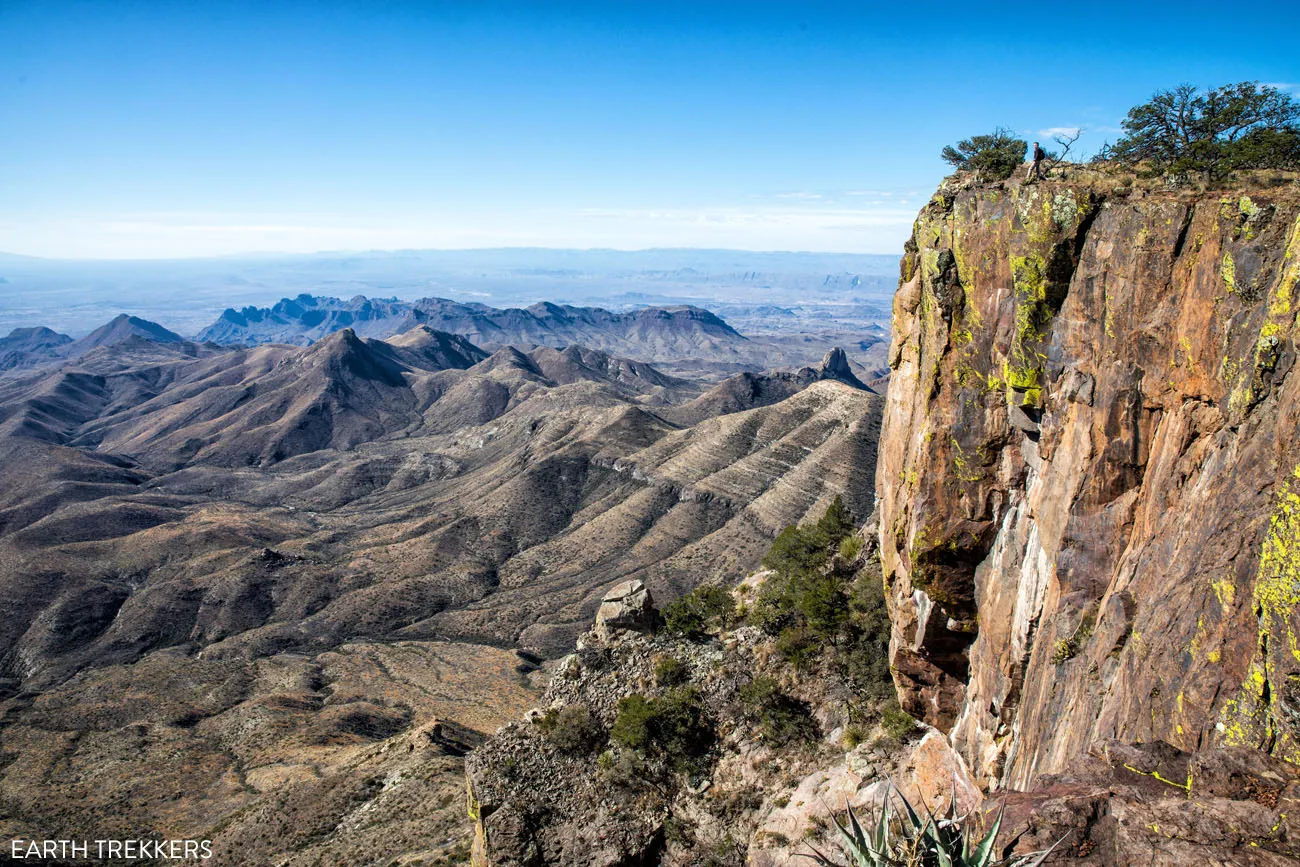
[(271, 596), (653, 333)]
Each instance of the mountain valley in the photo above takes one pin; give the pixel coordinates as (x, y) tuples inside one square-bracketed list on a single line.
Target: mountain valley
[(288, 564)]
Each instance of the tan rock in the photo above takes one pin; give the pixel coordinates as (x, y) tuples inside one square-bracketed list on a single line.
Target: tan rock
[(627, 607)]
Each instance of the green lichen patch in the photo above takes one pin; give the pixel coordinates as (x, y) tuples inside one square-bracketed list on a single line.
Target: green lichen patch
[(1282, 304), (1023, 368), (1277, 590), (1253, 717), (1068, 647), (1228, 271)]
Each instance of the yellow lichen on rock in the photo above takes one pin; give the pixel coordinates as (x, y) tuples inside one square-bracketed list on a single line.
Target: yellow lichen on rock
[(1250, 719)]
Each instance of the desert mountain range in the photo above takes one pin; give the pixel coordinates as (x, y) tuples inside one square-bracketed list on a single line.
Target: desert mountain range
[(680, 338), (274, 559)]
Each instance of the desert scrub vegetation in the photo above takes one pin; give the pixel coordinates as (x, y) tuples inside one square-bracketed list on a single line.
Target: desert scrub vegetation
[(693, 615), (671, 671), (672, 727), (828, 619), (572, 729), (1210, 133), (781, 718), (992, 157)]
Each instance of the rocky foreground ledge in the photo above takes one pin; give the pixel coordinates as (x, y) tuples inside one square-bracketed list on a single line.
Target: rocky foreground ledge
[(543, 795)]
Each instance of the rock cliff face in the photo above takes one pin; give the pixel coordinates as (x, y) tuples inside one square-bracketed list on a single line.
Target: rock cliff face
[(1089, 473)]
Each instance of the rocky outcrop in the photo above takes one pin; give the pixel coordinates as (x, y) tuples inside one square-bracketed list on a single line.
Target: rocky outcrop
[(564, 786), (836, 366), (627, 607), (1089, 474)]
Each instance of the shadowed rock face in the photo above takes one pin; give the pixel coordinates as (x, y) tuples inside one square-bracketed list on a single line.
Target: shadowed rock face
[(1089, 474)]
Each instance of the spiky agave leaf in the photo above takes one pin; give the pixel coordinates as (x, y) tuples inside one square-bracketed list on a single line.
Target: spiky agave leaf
[(866, 853), (939, 837), (1034, 859), (859, 836), (881, 837), (933, 842), (820, 859), (982, 854), (907, 805)]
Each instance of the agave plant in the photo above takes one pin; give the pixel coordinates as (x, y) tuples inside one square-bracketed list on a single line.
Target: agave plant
[(907, 840)]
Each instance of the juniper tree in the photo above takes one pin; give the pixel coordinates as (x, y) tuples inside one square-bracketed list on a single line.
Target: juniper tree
[(1212, 132), (994, 156)]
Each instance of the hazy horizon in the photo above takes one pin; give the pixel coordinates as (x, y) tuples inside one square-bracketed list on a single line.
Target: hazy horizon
[(75, 296), (144, 130), (10, 255)]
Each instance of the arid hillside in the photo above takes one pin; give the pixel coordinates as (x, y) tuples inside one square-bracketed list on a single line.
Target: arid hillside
[(272, 595)]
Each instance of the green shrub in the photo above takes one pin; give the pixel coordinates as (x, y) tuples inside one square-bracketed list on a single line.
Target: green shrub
[(836, 523), (632, 725), (799, 594), (821, 617), (799, 647), (671, 671), (704, 608), (850, 548), (993, 157), (800, 549), (572, 729), (621, 768), (781, 718), (864, 653), (897, 723), (672, 726)]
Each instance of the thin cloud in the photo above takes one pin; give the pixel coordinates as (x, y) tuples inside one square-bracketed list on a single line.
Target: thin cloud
[(1066, 131), (803, 224)]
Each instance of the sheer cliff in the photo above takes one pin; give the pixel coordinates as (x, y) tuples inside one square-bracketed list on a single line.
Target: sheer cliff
[(1089, 474)]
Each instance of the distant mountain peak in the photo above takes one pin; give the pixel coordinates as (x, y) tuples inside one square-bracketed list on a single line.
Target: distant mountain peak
[(836, 366), (122, 327), (38, 333)]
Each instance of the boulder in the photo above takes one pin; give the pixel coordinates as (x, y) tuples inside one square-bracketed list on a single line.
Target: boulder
[(627, 607)]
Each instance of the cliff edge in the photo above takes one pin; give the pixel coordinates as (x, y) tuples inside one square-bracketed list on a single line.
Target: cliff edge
[(1089, 473)]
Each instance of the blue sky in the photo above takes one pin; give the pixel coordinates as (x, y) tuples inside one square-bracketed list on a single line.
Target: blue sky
[(179, 129)]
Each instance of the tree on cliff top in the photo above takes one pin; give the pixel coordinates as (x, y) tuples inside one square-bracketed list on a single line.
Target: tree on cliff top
[(1186, 130), (993, 157)]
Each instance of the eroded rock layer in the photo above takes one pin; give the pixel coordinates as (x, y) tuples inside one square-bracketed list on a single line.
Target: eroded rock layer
[(1089, 473)]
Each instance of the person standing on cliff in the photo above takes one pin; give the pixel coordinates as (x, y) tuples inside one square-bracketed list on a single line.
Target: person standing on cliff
[(1035, 169)]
